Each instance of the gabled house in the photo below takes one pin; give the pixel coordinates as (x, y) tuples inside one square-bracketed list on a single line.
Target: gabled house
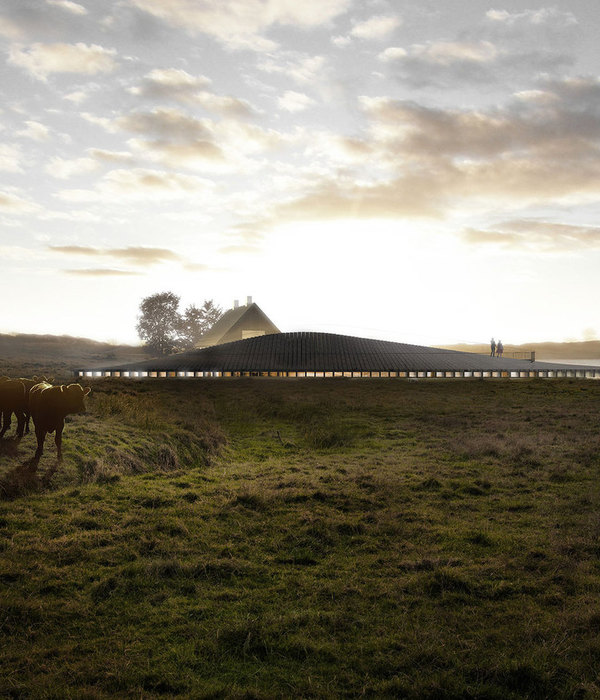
[(239, 323)]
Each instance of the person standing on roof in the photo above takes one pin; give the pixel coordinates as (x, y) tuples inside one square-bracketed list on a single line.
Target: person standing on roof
[(499, 349), (492, 347)]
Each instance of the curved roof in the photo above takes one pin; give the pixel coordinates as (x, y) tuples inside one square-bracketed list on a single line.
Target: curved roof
[(316, 352)]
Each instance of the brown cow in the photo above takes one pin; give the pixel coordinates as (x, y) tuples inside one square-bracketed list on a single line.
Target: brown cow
[(13, 399), (29, 384), (49, 405)]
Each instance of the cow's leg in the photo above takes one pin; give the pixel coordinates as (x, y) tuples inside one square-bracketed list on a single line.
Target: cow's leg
[(40, 434), (58, 440), (6, 416), (27, 419), (20, 423)]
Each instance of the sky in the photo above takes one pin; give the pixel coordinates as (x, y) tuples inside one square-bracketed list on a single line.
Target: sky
[(425, 172)]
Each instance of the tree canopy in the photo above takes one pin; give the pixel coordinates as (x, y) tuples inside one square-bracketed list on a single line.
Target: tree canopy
[(165, 330)]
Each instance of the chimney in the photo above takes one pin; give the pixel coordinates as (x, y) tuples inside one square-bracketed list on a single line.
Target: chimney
[(236, 303), (248, 301)]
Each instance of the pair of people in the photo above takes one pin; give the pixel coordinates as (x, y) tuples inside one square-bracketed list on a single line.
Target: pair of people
[(496, 348)]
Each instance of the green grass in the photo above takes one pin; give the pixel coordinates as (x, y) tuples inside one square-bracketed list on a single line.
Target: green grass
[(326, 538)]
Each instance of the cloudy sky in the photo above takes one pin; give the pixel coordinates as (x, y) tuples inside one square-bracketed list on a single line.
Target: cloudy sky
[(419, 171)]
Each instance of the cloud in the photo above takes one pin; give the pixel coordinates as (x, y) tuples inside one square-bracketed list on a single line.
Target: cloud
[(341, 41), (35, 131), (140, 184), (170, 83), (543, 16), (448, 63), (10, 29), (560, 126), (175, 138), (10, 158), (392, 53), (303, 69), (13, 204), (225, 104), (102, 272), (198, 267), (536, 236), (131, 254), (123, 157), (541, 148), (444, 53), (40, 60), (194, 154), (377, 27), (240, 249), (412, 196), (172, 137), (77, 97), (30, 20), (72, 7), (239, 23), (166, 123), (295, 101), (505, 48), (103, 122), (139, 256), (65, 168)]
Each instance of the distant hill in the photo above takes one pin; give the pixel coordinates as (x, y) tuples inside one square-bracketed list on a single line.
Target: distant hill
[(59, 354), (584, 350)]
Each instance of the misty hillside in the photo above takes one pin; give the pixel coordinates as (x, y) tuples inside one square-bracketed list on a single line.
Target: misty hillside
[(584, 350), (59, 354)]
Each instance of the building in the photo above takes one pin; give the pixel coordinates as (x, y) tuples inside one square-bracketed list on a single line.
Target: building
[(239, 323), (332, 355)]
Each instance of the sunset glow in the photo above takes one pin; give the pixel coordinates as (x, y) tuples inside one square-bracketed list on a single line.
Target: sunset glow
[(422, 172)]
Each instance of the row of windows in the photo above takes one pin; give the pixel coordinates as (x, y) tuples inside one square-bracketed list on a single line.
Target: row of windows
[(550, 374)]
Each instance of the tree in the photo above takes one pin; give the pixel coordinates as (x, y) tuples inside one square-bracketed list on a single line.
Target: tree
[(195, 322), (159, 322), (211, 313), (164, 330)]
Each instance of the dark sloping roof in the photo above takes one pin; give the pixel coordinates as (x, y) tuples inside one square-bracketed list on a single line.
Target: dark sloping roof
[(328, 352), (229, 320)]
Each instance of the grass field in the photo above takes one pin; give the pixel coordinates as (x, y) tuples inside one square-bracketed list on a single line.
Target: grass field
[(316, 538)]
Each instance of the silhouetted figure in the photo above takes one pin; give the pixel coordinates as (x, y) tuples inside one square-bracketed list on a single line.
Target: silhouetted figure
[(499, 349), (49, 405), (492, 347)]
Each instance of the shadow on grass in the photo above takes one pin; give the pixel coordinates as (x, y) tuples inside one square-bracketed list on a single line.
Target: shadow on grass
[(9, 447), (24, 480)]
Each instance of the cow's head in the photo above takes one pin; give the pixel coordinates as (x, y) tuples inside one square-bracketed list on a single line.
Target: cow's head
[(75, 394)]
